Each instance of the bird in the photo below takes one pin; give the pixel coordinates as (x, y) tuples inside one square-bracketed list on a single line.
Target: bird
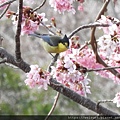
[(53, 43)]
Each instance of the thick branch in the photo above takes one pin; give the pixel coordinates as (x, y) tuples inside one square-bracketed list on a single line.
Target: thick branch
[(59, 87), (80, 99), (10, 59), (18, 32)]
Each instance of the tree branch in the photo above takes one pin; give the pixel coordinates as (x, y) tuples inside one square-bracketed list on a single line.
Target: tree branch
[(101, 69), (37, 8), (18, 32), (53, 62), (5, 10), (10, 59), (8, 2), (48, 28), (87, 26), (80, 99), (53, 107)]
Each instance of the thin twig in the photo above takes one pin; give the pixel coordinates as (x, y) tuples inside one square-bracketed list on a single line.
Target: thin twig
[(101, 69), (6, 3), (54, 105), (47, 28), (37, 8), (58, 94), (18, 32), (90, 25), (87, 26), (86, 44), (102, 101), (53, 62), (5, 10)]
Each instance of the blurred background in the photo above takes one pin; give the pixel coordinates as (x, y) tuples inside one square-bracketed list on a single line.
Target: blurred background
[(16, 98)]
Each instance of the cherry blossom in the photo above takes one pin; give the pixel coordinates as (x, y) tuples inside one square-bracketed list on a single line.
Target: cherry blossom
[(113, 29), (62, 5), (80, 7), (37, 77), (30, 20)]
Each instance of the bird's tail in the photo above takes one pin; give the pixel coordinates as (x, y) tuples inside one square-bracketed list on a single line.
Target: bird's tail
[(35, 34)]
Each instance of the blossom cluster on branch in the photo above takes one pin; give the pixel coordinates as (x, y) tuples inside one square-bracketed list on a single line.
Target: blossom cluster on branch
[(37, 77), (65, 5), (71, 68), (109, 44), (30, 19)]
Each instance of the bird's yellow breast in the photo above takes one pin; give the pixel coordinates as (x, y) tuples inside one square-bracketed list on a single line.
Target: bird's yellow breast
[(54, 49)]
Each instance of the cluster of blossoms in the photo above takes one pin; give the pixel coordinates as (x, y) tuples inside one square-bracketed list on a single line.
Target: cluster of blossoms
[(37, 77), (109, 43), (71, 74), (65, 5), (30, 20)]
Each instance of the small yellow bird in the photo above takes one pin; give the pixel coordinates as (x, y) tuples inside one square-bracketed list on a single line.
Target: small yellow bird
[(53, 44)]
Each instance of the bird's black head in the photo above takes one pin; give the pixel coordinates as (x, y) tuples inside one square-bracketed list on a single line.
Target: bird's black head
[(65, 41)]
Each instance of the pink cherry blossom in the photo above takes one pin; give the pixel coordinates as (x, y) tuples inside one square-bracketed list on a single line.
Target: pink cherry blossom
[(117, 99), (112, 29), (105, 20), (109, 45), (29, 26), (75, 80), (30, 20), (62, 5), (37, 77), (80, 7)]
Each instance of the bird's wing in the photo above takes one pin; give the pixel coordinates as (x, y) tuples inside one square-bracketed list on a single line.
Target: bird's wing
[(51, 40)]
